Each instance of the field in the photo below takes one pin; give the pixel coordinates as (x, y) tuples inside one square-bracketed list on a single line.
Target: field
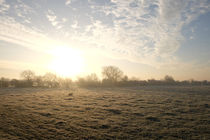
[(152, 112)]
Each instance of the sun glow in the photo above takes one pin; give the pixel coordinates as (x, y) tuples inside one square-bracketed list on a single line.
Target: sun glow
[(67, 62)]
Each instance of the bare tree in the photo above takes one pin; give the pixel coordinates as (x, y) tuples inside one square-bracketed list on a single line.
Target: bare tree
[(27, 75), (112, 74), (51, 80)]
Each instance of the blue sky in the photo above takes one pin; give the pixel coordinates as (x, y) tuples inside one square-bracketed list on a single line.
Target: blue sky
[(145, 38)]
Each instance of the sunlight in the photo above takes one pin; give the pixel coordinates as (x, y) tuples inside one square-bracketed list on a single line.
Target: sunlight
[(67, 62)]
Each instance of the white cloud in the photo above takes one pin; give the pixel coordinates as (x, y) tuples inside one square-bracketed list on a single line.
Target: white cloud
[(68, 2), (64, 20), (3, 6), (53, 19), (75, 25), (22, 10)]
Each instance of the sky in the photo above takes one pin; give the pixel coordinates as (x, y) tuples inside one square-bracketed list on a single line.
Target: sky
[(144, 38)]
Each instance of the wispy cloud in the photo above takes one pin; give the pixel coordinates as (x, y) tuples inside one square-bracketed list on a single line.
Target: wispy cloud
[(54, 20), (3, 6), (143, 31)]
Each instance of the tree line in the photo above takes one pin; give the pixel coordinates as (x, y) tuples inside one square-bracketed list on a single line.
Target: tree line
[(111, 76)]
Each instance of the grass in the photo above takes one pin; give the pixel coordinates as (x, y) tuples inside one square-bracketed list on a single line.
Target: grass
[(112, 113)]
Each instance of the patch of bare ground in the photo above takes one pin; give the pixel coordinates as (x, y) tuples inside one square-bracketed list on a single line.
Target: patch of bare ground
[(111, 113)]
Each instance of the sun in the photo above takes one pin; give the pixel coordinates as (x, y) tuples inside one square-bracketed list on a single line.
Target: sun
[(66, 62)]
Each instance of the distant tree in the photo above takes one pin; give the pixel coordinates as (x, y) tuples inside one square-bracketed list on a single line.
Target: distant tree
[(14, 83), (168, 78), (112, 74), (92, 77), (66, 83), (204, 82), (4, 82), (185, 82), (38, 81), (28, 76), (154, 82), (125, 78), (81, 82), (91, 80), (51, 80)]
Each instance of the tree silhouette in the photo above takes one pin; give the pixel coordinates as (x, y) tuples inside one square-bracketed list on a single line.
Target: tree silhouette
[(28, 75), (112, 74), (169, 79)]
